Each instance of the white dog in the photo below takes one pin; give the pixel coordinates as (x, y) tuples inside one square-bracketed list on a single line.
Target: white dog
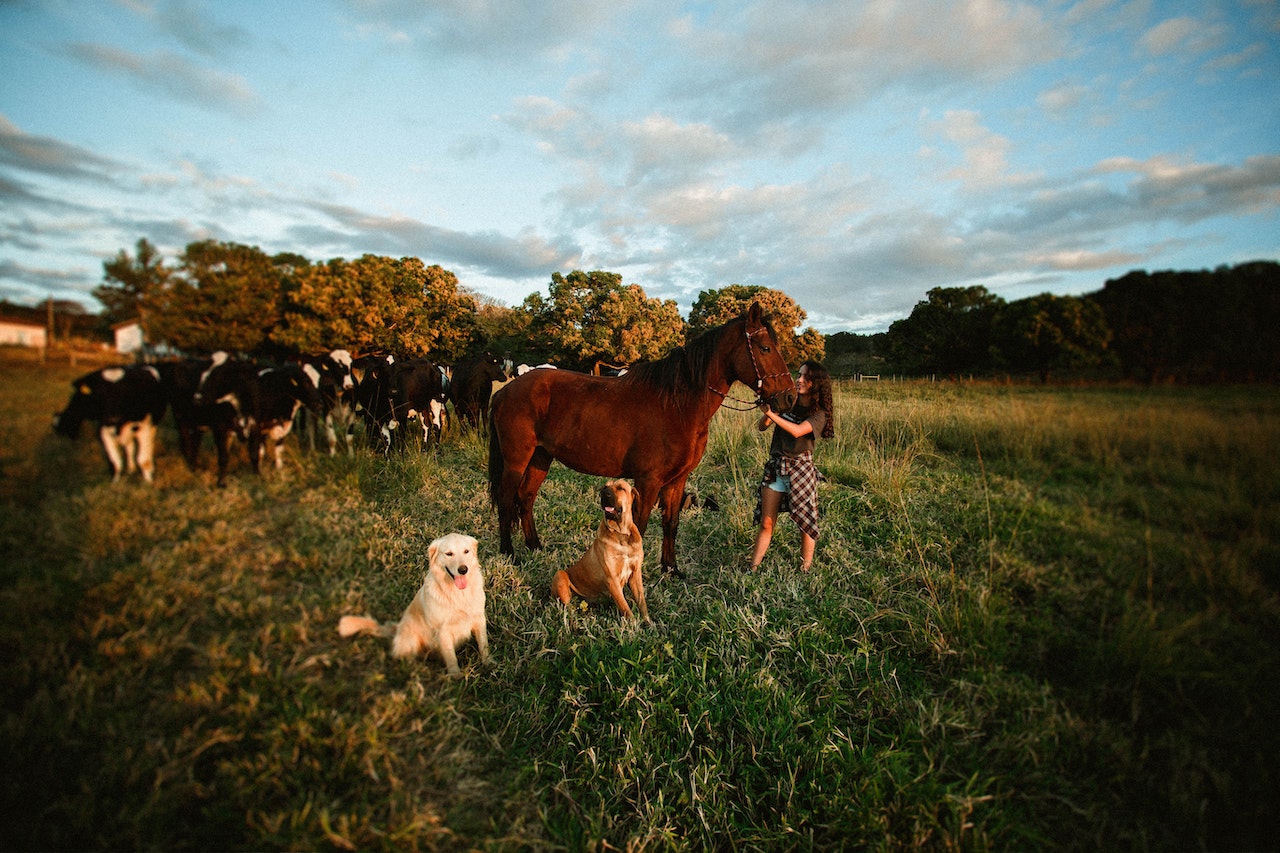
[(448, 609)]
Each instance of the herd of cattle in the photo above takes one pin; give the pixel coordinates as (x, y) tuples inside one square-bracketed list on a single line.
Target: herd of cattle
[(232, 398)]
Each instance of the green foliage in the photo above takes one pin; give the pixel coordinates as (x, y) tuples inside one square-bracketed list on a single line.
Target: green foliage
[(128, 281), (377, 304), (1196, 325), (221, 296), (717, 307), (1038, 619), (591, 316), (949, 333), (1047, 333)]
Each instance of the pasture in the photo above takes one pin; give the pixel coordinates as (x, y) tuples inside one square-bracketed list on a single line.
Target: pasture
[(1038, 619)]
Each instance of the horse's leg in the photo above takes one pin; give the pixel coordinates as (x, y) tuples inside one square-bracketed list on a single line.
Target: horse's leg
[(642, 507), (515, 463), (671, 498), (534, 474)]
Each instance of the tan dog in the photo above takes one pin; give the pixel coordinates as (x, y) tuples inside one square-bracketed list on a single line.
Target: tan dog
[(447, 609), (614, 558)]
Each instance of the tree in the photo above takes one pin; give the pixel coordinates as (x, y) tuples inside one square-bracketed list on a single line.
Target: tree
[(377, 304), (1196, 325), (717, 307), (222, 296), (948, 333), (1047, 332), (129, 281), (591, 316)]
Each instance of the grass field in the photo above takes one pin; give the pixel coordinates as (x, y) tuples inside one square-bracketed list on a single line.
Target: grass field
[(1038, 619)]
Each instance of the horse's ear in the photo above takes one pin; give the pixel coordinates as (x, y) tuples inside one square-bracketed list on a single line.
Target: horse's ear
[(754, 313)]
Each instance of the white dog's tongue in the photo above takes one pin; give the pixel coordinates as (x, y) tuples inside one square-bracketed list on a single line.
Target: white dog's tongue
[(460, 581)]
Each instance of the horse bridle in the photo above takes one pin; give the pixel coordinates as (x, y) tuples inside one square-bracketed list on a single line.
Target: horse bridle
[(747, 405)]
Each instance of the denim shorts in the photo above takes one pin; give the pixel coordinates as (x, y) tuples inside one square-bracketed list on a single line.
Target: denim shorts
[(781, 484)]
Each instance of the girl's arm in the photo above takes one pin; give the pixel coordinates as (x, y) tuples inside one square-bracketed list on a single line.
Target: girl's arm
[(795, 430)]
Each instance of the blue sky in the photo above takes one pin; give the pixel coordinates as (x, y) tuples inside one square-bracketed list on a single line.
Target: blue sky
[(851, 154)]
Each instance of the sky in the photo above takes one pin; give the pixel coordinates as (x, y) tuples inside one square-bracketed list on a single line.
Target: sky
[(853, 155)]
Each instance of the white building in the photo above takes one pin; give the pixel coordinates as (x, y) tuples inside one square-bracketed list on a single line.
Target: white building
[(128, 336), (23, 333)]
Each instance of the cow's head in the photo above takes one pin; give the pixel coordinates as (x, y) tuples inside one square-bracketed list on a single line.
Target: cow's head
[(87, 401)]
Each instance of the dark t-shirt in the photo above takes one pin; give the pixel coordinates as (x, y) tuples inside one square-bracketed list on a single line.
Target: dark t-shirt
[(787, 445)]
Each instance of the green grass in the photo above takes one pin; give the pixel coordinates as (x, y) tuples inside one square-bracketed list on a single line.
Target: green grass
[(1038, 619)]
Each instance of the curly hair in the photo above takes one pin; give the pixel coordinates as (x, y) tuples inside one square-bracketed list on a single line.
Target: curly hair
[(823, 397)]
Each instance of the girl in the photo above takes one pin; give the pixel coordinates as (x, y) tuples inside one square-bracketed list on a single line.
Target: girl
[(790, 482)]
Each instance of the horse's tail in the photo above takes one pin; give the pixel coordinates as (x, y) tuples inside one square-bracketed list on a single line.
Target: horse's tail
[(496, 464)]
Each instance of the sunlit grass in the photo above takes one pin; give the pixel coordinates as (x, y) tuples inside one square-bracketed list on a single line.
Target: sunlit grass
[(1038, 619)]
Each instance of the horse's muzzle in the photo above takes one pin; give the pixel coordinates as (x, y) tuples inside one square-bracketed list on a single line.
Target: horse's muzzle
[(783, 401)]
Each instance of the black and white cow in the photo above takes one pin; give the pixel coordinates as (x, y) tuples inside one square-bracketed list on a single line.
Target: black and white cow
[(127, 404), (395, 393), (337, 397), (473, 385), (418, 393), (258, 404), (180, 379)]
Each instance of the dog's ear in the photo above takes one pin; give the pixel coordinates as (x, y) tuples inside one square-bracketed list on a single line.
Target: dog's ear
[(635, 495), (431, 553)]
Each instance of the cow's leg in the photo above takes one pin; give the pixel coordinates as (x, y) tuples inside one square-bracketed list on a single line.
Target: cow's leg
[(222, 443), (110, 437), (129, 440), (255, 449), (146, 449), (331, 434)]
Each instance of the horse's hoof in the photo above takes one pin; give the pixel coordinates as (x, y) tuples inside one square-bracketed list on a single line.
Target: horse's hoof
[(676, 572)]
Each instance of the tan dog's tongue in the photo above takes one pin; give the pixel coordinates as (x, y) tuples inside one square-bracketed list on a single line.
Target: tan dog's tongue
[(460, 581)]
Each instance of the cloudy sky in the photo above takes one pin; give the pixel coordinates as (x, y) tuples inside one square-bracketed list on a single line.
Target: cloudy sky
[(851, 154)]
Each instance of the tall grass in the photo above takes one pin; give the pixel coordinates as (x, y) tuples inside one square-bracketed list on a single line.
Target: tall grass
[(1038, 619)]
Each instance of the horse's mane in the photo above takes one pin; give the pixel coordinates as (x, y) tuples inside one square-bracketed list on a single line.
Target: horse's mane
[(684, 370)]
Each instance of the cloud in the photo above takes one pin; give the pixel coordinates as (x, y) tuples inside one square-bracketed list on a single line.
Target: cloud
[(172, 75), (1164, 188), (506, 31), (188, 23), (28, 285), (51, 157), (1062, 98), (826, 56), (985, 154), (525, 256), (1181, 35)]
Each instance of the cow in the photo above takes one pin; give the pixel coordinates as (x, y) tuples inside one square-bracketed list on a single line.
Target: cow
[(472, 386), (180, 379), (395, 392), (256, 403), (127, 403), (418, 392), (337, 387), (373, 395)]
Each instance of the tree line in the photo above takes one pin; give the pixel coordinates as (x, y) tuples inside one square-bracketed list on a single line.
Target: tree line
[(1194, 326), (218, 295), (1198, 326)]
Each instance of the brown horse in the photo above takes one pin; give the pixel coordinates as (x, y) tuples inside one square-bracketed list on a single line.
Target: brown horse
[(650, 425)]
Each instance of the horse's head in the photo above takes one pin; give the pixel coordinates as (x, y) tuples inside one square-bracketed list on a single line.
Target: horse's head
[(768, 375)]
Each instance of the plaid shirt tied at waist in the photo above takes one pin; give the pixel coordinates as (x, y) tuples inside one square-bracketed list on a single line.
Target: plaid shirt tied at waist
[(802, 500)]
